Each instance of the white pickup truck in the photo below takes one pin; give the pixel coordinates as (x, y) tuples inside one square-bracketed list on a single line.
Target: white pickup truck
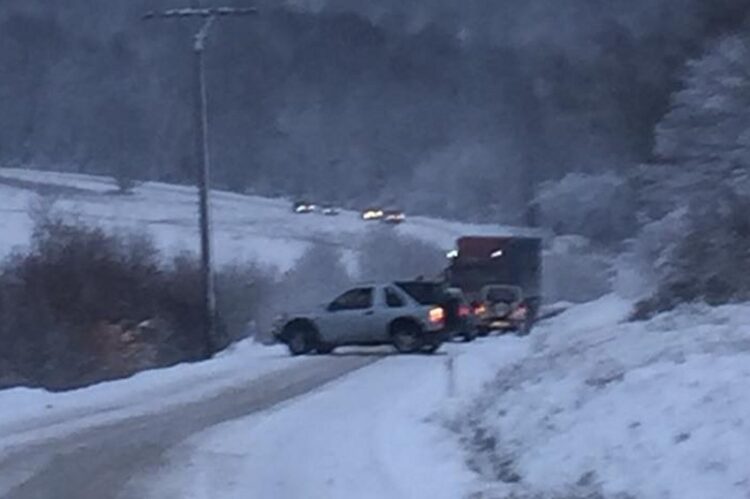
[(379, 314)]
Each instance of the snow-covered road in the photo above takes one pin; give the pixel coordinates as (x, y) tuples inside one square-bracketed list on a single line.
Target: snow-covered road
[(368, 435), (252, 423), (96, 456)]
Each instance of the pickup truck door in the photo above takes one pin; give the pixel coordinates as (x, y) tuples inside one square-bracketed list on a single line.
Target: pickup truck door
[(348, 319), (390, 304)]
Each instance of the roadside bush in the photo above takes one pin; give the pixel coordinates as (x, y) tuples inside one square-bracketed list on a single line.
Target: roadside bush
[(83, 305), (574, 271), (318, 275), (707, 260), (600, 207), (245, 299), (59, 299), (125, 182), (385, 255)]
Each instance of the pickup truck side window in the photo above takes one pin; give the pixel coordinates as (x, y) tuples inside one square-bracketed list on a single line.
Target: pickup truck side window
[(354, 299), (392, 299)]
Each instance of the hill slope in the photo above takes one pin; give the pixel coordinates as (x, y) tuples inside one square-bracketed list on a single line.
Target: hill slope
[(245, 227)]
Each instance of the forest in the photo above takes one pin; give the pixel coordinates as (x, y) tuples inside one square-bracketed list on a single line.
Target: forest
[(458, 109)]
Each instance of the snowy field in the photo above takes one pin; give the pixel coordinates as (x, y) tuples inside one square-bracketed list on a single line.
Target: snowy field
[(246, 228)]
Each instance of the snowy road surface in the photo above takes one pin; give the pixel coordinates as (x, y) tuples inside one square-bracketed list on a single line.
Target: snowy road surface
[(375, 434), (292, 428), (99, 462)]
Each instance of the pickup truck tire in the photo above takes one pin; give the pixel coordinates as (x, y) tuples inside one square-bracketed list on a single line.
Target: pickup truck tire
[(300, 339), (406, 336)]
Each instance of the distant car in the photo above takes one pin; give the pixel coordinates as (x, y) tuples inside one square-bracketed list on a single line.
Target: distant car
[(372, 214), (302, 207), (393, 217), (379, 314), (501, 308), (329, 211)]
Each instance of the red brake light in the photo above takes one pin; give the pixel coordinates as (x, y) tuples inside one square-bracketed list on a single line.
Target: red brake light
[(479, 309), (464, 311), (520, 312)]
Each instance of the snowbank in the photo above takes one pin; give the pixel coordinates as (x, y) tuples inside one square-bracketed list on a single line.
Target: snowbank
[(604, 408), (31, 415)]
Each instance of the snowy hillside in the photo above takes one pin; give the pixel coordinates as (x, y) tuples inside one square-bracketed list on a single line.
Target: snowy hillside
[(246, 227), (610, 409)]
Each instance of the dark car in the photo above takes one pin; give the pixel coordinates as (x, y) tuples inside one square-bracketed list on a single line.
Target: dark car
[(329, 210)]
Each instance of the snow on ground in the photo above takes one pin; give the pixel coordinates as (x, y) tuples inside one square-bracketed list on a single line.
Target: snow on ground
[(369, 435), (245, 227), (588, 406), (610, 409), (34, 415)]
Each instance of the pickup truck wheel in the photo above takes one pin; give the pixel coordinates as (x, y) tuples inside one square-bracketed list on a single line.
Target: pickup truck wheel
[(406, 337), (299, 341)]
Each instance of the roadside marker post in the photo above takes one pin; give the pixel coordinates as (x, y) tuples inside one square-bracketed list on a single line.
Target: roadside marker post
[(450, 367)]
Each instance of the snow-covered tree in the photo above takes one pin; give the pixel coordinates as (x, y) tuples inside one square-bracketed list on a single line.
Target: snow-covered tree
[(706, 132), (385, 254), (600, 207), (705, 142)]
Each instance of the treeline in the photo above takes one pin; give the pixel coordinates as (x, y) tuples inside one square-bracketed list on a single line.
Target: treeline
[(456, 112)]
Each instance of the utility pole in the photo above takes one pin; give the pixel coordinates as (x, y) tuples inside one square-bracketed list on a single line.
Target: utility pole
[(203, 157)]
